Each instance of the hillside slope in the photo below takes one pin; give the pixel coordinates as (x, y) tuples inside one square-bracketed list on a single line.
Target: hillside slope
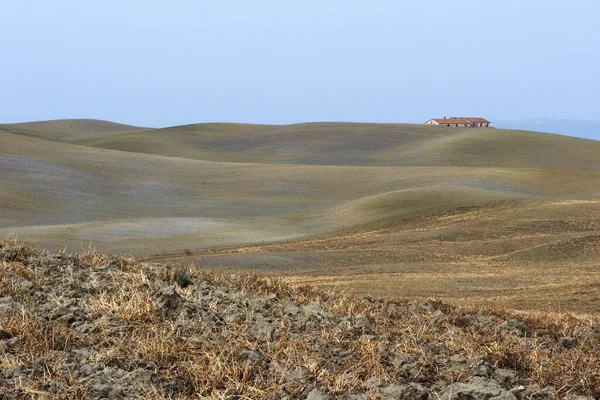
[(363, 144), (71, 130), (124, 199), (47, 184)]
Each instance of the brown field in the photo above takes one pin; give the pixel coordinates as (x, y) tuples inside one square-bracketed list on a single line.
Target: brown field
[(522, 256), (92, 326)]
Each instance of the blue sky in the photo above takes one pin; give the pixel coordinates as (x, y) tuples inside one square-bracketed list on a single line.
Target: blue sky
[(158, 63)]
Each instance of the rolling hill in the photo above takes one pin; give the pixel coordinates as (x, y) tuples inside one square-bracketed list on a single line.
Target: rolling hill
[(358, 206), (70, 130), (361, 144)]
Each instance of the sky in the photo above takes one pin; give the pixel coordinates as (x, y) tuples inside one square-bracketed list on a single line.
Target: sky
[(157, 63)]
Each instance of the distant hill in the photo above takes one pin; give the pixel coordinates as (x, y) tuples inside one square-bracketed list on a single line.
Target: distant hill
[(569, 127), (361, 144), (70, 130)]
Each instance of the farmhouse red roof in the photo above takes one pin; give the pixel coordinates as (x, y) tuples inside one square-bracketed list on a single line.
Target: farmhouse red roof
[(461, 120), (451, 121), (477, 120)]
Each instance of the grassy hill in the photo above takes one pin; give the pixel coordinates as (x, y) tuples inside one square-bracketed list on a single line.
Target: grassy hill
[(71, 130), (393, 198), (362, 144)]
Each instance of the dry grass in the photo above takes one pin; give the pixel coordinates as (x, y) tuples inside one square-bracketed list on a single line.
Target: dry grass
[(205, 356), (535, 357), (523, 255)]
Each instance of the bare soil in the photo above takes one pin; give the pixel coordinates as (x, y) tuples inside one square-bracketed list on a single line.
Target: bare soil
[(93, 326)]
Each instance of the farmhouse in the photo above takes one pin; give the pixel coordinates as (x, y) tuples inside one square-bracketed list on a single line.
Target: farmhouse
[(466, 122)]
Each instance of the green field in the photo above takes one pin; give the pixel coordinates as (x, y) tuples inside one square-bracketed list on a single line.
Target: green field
[(389, 210)]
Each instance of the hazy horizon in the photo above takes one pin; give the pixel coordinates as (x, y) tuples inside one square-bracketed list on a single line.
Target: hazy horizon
[(503, 120), (149, 64)]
